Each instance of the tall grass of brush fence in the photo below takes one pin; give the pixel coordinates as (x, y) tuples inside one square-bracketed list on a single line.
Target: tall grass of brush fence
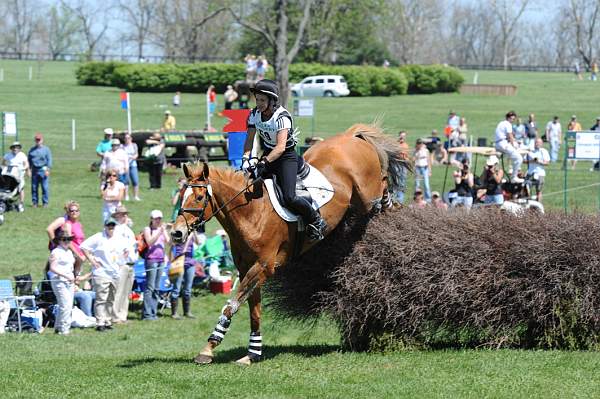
[(362, 80)]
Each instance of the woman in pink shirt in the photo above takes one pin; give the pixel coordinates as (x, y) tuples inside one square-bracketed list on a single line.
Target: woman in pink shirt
[(70, 224)]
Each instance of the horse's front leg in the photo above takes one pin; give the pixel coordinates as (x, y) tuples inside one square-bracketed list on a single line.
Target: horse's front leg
[(255, 341), (255, 278)]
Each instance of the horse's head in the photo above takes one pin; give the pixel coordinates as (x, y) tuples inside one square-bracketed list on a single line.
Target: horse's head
[(196, 201)]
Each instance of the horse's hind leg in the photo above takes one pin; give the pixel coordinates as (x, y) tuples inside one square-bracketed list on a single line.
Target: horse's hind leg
[(255, 277)]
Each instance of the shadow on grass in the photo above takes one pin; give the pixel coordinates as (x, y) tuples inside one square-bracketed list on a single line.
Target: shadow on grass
[(231, 355)]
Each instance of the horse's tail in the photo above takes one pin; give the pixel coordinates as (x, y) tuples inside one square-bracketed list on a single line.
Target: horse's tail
[(388, 150)]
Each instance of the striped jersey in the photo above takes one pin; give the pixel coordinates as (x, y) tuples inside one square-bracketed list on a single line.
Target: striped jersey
[(267, 130)]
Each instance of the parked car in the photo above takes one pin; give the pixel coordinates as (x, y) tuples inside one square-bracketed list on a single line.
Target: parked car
[(321, 85)]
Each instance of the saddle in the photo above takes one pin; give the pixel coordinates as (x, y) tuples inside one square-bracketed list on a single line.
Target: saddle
[(310, 184)]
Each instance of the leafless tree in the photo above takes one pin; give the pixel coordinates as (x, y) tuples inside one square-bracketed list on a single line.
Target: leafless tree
[(60, 31), (277, 37), (583, 15), (21, 23), (138, 16), (412, 29), (93, 18), (508, 13)]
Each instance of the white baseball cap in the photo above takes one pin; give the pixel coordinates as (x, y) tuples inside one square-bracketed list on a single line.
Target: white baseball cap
[(109, 131), (492, 160), (155, 214)]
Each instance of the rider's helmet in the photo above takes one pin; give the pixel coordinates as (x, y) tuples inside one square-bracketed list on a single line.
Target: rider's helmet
[(268, 88)]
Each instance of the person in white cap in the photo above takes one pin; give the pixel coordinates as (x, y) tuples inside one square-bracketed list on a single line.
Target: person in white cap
[(106, 143), (117, 159), (169, 122), (17, 160), (491, 179), (507, 144)]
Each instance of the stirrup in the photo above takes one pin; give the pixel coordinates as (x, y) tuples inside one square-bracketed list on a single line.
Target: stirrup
[(315, 229)]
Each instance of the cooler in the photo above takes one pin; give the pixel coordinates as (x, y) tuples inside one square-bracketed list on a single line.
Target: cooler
[(220, 287)]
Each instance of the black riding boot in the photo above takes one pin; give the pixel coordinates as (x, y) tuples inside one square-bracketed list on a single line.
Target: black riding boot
[(174, 305), (186, 308)]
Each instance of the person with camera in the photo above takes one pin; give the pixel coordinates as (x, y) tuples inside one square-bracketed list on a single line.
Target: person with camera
[(113, 192), (491, 180), (537, 160), (156, 237), (464, 182)]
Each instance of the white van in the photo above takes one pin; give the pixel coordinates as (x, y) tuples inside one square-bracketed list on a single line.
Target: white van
[(321, 85)]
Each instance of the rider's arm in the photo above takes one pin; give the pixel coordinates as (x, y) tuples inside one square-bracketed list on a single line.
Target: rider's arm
[(249, 142), (279, 147)]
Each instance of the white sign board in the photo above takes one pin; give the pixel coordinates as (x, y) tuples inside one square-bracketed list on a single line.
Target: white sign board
[(587, 145), (304, 107), (9, 124)]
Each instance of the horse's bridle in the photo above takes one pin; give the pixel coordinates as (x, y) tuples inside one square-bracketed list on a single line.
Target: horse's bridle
[(200, 222)]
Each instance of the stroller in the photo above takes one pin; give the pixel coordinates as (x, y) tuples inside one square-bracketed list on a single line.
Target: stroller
[(10, 187)]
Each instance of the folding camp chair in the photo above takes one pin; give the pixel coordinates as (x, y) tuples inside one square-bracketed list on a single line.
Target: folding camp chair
[(17, 303)]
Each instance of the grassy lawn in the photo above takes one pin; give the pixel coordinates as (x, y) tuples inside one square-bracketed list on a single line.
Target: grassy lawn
[(152, 360)]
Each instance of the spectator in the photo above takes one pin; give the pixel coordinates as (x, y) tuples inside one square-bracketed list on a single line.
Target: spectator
[(18, 160), (574, 126), (436, 201), (106, 253), (124, 233), (177, 99), (418, 201), (113, 192), (554, 136), (520, 132), (131, 149), (531, 128), (40, 161), (70, 224), (169, 122), (506, 144), (491, 180), (577, 70), (116, 159), (422, 168), (537, 160), (596, 126), (156, 238), (386, 64), (185, 279), (453, 120), (176, 198), (156, 158), (84, 297), (211, 95), (250, 61), (438, 153), (230, 96), (227, 258), (105, 144), (261, 67), (464, 183), (62, 271), (594, 77), (403, 172)]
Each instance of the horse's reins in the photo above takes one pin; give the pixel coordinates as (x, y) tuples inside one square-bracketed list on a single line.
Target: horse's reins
[(200, 221)]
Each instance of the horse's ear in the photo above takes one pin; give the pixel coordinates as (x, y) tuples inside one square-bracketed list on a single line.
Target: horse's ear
[(186, 170), (205, 170)]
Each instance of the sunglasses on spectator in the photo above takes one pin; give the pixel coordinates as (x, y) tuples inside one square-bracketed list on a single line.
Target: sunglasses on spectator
[(112, 175), (73, 210), (65, 239)]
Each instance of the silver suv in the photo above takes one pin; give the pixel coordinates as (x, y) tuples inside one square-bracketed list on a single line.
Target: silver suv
[(321, 85)]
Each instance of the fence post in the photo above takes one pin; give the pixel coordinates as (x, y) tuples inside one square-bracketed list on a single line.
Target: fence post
[(73, 133)]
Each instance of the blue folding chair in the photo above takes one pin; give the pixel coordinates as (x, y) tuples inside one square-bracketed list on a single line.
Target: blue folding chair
[(16, 302)]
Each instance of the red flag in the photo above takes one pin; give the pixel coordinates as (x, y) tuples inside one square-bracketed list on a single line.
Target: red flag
[(237, 120)]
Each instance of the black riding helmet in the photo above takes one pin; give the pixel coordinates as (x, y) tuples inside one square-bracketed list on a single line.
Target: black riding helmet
[(269, 88)]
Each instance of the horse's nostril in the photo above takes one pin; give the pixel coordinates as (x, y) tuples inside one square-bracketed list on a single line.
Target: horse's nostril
[(177, 235)]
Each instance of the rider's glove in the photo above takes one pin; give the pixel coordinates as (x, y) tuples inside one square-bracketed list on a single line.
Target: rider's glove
[(261, 169), (248, 165)]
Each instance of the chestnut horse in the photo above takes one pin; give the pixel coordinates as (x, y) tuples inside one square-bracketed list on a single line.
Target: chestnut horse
[(357, 162)]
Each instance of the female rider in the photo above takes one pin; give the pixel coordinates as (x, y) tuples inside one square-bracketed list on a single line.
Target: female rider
[(278, 140)]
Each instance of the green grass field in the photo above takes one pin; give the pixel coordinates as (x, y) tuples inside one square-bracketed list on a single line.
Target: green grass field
[(153, 360)]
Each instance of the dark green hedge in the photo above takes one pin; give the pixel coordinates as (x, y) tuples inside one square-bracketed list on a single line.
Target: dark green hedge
[(427, 79), (362, 80)]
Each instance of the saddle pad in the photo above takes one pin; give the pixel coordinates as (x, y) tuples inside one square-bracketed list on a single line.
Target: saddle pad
[(317, 185)]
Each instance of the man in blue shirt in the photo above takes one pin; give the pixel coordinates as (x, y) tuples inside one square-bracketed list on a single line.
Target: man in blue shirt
[(40, 161)]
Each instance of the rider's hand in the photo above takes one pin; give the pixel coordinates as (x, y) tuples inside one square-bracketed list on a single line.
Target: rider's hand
[(261, 169), (248, 164)]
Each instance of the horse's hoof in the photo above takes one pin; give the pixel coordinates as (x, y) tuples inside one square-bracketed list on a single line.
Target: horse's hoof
[(203, 359), (245, 361)]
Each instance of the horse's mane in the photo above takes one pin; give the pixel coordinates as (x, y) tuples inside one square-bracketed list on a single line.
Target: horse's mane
[(388, 150), (228, 175)]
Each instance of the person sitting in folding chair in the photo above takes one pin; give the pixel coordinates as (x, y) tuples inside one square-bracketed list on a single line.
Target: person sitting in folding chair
[(507, 144)]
